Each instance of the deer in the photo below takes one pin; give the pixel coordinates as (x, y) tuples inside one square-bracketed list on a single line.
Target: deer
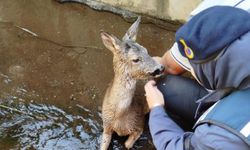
[(131, 62)]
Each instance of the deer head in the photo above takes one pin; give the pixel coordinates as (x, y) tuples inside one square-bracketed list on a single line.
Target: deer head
[(130, 58)]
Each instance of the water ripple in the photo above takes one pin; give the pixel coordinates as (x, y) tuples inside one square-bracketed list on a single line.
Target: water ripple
[(57, 130)]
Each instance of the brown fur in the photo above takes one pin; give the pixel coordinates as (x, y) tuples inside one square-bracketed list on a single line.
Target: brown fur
[(120, 112)]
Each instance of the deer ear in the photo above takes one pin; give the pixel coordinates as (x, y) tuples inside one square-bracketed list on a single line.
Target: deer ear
[(110, 41), (132, 31)]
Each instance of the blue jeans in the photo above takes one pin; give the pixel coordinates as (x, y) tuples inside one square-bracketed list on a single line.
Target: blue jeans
[(180, 94)]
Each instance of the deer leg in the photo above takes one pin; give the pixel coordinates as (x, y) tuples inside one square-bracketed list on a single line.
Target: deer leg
[(132, 138), (106, 139)]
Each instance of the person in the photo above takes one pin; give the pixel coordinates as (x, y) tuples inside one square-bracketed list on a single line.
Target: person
[(214, 46)]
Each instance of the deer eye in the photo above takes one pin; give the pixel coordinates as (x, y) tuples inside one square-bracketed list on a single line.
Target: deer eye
[(136, 60)]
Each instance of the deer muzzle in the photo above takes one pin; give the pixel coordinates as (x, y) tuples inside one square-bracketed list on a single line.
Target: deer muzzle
[(158, 71)]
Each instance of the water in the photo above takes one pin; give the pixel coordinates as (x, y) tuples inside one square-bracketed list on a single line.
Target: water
[(46, 126), (54, 69)]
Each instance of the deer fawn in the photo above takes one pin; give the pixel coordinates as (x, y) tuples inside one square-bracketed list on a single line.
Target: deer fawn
[(120, 112)]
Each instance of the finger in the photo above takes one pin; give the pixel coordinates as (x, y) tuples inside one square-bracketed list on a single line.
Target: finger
[(147, 85), (150, 86), (150, 83), (147, 89)]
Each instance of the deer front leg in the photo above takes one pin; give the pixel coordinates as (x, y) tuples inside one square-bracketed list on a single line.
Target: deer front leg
[(106, 139), (132, 138)]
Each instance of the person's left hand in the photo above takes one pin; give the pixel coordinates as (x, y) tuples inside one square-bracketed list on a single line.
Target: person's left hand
[(153, 95)]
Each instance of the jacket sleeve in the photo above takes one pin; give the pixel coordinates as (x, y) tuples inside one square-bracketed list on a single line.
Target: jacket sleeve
[(166, 134)]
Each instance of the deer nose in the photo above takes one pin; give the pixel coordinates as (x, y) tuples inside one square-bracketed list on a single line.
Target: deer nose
[(158, 71), (162, 69)]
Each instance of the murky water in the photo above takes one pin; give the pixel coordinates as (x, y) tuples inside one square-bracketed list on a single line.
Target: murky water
[(54, 69)]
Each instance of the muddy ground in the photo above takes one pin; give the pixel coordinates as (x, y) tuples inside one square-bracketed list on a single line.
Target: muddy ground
[(55, 69)]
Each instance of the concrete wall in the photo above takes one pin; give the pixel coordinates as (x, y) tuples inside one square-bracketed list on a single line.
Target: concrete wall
[(163, 9)]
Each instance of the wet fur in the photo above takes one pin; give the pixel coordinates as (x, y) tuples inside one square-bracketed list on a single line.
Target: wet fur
[(120, 112)]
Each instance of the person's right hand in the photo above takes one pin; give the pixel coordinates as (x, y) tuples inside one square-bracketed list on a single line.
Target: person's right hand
[(153, 95)]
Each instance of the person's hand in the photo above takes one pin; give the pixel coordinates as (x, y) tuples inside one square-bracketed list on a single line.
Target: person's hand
[(153, 95)]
